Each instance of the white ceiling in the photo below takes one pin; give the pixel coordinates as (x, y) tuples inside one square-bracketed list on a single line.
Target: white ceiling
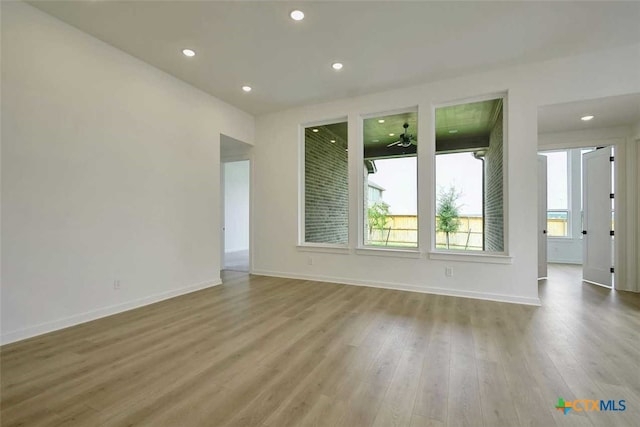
[(383, 45), (608, 112)]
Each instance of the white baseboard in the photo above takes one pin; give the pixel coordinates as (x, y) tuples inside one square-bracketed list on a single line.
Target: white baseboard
[(405, 287), (76, 319)]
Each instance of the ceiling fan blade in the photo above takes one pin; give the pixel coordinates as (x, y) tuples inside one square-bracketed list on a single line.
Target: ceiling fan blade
[(394, 143)]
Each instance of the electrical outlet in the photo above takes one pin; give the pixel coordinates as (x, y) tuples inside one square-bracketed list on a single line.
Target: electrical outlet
[(448, 271), (116, 284), (310, 261)]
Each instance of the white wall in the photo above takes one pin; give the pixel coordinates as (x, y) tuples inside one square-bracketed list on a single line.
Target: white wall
[(110, 170), (236, 206), (606, 73)]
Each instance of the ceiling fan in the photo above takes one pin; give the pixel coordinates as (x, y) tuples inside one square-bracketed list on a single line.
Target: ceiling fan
[(405, 139)]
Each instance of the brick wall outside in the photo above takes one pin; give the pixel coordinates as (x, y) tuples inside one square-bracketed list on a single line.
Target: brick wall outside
[(494, 196), (326, 188)]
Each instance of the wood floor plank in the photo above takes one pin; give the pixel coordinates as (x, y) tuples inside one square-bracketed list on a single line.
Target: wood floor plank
[(433, 391), (265, 351), (397, 405), (420, 421), (496, 401)]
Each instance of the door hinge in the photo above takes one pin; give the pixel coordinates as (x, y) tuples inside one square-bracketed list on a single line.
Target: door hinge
[(611, 158), (612, 270), (584, 231), (611, 195), (611, 233)]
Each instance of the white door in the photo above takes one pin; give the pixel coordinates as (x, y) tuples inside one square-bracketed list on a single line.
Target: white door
[(597, 216), (542, 216)]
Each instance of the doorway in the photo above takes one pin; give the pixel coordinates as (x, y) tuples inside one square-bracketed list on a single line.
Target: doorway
[(577, 211), (236, 214), (609, 128), (235, 206)]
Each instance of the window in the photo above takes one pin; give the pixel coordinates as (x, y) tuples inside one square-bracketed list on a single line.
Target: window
[(469, 177), (390, 180), (326, 184), (557, 194)]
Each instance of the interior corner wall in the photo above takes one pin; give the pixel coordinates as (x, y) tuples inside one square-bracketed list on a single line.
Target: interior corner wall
[(326, 190), (493, 192), (110, 171)]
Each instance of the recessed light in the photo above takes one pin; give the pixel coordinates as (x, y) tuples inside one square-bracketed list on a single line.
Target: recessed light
[(297, 15), (453, 131), (314, 130), (586, 118), (391, 134), (333, 141), (189, 52), (337, 66), (246, 88), (381, 121)]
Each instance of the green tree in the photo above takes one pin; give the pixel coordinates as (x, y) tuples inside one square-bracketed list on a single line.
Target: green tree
[(378, 215), (448, 212)]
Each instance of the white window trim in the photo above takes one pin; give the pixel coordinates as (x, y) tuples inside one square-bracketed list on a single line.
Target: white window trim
[(388, 252), (482, 257), (324, 248)]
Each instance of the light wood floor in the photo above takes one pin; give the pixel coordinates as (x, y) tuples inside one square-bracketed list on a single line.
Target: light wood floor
[(261, 351), (237, 260)]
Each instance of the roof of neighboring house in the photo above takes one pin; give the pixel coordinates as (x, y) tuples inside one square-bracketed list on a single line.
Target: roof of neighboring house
[(374, 185)]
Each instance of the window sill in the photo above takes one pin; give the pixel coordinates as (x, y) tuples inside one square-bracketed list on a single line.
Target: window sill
[(464, 257), (331, 249), (400, 253)]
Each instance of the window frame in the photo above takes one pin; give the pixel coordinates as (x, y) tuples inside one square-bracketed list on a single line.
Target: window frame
[(504, 256), (361, 248)]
